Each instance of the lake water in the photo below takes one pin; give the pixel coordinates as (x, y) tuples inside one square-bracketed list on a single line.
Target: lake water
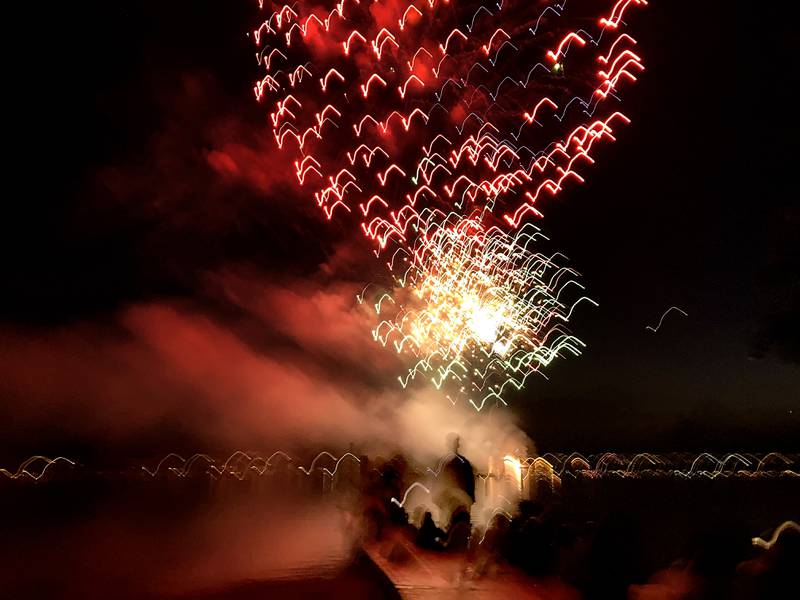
[(146, 543)]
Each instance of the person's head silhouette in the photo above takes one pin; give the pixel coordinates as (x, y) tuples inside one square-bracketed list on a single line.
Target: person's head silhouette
[(453, 442)]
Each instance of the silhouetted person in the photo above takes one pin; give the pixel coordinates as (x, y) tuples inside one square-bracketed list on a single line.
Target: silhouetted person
[(488, 551), (375, 509), (429, 535), (393, 478), (458, 470), (455, 493), (614, 560), (531, 543), (458, 531), (718, 548)]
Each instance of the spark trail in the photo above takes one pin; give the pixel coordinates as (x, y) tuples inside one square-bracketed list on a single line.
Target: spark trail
[(479, 309), (423, 122), (664, 316)]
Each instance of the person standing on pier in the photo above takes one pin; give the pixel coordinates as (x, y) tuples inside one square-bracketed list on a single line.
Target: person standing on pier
[(456, 495)]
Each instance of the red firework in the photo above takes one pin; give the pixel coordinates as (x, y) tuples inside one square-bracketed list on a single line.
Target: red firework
[(388, 108), (429, 119)]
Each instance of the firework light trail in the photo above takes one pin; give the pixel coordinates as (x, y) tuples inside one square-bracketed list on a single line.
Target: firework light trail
[(241, 465), (438, 128), (479, 309)]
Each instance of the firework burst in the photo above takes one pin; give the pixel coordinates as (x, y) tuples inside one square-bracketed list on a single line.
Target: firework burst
[(395, 113), (479, 309)]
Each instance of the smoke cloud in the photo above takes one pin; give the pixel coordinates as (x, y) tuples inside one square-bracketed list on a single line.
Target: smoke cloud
[(274, 364)]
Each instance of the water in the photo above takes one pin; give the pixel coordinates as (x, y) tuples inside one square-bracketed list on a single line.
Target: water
[(89, 542)]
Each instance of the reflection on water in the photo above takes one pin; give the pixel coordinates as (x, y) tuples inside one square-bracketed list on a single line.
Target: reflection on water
[(244, 542), (84, 542)]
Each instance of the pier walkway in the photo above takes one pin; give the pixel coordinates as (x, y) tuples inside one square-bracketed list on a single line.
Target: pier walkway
[(428, 575)]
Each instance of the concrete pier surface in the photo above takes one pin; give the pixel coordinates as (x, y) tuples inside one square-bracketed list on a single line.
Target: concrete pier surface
[(419, 574)]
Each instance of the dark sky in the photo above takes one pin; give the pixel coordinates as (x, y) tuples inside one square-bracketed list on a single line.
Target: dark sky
[(116, 113)]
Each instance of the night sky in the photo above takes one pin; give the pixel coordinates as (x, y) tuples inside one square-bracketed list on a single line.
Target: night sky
[(144, 198)]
